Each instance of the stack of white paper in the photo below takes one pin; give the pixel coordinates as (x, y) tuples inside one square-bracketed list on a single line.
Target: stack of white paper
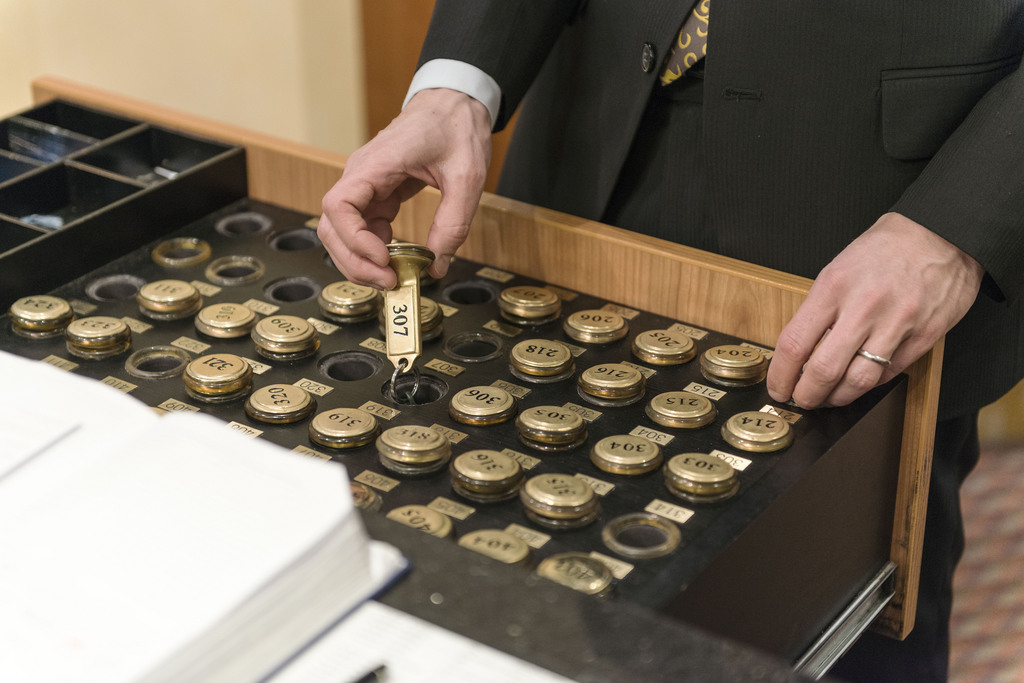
[(143, 548)]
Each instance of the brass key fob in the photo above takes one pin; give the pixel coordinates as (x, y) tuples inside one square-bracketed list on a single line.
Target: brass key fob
[(402, 332)]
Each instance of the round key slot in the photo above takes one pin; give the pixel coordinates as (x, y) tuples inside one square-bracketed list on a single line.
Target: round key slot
[(241, 224), (115, 288), (364, 497), (229, 271), (430, 389), (295, 240), (350, 366), (292, 289), (470, 293), (641, 535), (157, 362), (474, 347), (181, 252)]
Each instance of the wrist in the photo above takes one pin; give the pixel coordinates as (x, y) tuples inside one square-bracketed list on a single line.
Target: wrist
[(456, 106), (462, 77), (966, 265)]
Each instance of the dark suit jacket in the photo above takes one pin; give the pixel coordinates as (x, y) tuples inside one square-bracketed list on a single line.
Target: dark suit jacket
[(819, 116)]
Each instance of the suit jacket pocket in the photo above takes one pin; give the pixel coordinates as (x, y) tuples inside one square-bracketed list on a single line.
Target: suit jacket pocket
[(922, 107)]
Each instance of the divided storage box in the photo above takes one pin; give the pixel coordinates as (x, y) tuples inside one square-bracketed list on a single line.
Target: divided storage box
[(80, 187)]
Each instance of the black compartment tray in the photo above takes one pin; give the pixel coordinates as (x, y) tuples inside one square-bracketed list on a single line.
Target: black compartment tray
[(807, 529)]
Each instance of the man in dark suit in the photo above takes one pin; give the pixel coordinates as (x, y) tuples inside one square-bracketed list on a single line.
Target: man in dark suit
[(875, 146)]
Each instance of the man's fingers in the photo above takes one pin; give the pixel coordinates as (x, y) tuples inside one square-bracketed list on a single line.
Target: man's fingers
[(797, 343), (835, 374), (356, 226), (861, 376), (893, 291), (363, 258), (444, 244), (381, 229), (408, 188), (442, 138), (452, 220)]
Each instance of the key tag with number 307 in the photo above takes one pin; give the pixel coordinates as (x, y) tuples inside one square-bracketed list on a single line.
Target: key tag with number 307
[(402, 332)]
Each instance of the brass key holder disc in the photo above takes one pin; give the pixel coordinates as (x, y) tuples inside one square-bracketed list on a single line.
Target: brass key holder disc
[(734, 365), (169, 300), (226, 320), (757, 432), (347, 302), (343, 428), (97, 337), (663, 347), (578, 571), (413, 450), (626, 454), (280, 404), (39, 317), (528, 305), (218, 377), (424, 519), (499, 545), (700, 477), (486, 476), (541, 361), (559, 501), (285, 337)]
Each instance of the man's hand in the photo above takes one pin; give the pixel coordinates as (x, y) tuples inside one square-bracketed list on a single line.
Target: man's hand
[(893, 292), (443, 139)]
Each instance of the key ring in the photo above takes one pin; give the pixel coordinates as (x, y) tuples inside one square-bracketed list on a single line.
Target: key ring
[(410, 398)]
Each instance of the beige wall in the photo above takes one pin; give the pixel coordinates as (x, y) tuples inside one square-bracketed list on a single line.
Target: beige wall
[(292, 68)]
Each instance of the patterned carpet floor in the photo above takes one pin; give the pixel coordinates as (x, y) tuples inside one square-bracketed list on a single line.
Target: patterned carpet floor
[(987, 626)]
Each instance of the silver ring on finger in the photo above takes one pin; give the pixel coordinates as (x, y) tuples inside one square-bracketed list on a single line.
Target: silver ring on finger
[(884, 362)]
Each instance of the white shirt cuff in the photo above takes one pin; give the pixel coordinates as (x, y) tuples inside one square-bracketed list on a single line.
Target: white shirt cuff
[(456, 75)]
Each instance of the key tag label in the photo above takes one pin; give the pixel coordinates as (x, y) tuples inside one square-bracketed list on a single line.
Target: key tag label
[(402, 331)]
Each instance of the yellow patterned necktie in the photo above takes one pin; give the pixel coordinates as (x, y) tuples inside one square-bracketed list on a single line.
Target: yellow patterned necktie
[(691, 45)]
